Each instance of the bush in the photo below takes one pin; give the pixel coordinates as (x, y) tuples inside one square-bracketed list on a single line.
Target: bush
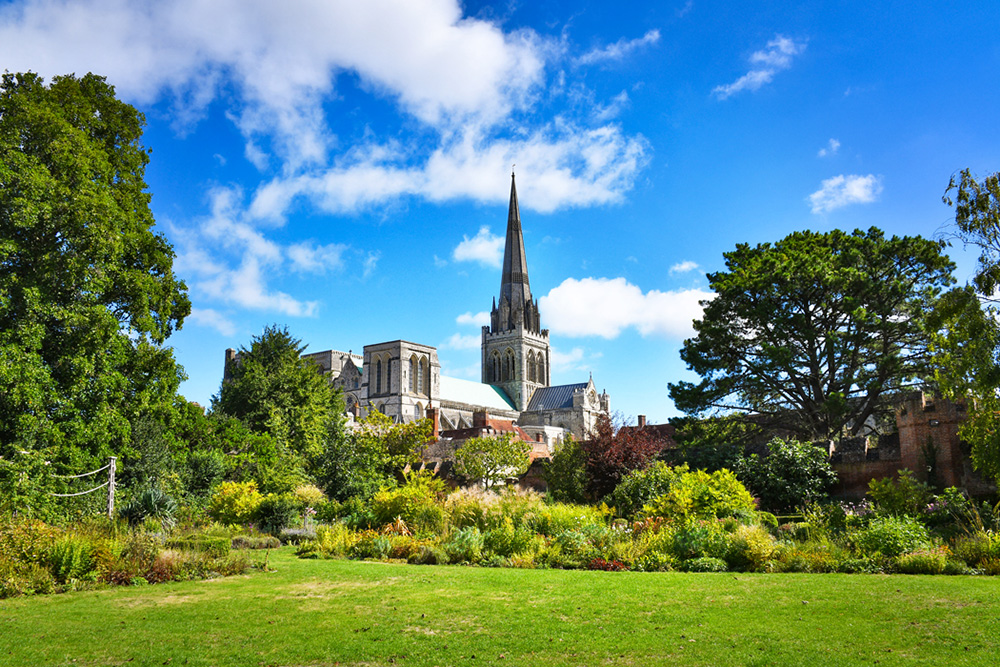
[(906, 496), (255, 542), (750, 548), (331, 541), (892, 536), (978, 548), (205, 469), (792, 473), (276, 512), (642, 486), (465, 545), (234, 502), (706, 564), (924, 561), (507, 539), (372, 545), (699, 540), (566, 473), (428, 555), (150, 503), (72, 557), (702, 495), (215, 545)]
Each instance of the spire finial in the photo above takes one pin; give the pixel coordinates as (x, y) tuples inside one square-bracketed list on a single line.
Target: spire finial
[(512, 169)]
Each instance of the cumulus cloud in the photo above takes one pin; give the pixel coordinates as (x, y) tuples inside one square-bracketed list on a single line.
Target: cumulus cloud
[(619, 50), (764, 65), (318, 259), (484, 248), (607, 306), (567, 361), (461, 79), (480, 319), (831, 148), (213, 319), (462, 342), (683, 267), (841, 191)]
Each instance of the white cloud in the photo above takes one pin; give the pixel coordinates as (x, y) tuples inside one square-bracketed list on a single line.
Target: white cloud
[(567, 361), (371, 261), (830, 149), (776, 57), (606, 306), (208, 317), (684, 267), (484, 248), (619, 50), (843, 190), (318, 259), (480, 319), (278, 68), (462, 342)]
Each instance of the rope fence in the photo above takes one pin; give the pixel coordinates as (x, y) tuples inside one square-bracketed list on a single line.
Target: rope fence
[(110, 484)]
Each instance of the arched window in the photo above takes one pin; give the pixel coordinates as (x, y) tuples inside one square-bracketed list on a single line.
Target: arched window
[(508, 366), (421, 380), (418, 411), (540, 371), (495, 370), (378, 377), (413, 374), (531, 367)]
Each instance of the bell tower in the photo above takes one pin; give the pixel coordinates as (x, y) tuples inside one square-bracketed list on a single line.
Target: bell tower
[(515, 347)]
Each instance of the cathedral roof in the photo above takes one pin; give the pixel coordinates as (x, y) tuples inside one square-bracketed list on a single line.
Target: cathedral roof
[(474, 393), (554, 398)]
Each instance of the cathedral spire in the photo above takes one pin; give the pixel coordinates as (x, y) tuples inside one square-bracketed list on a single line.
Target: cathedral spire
[(514, 281)]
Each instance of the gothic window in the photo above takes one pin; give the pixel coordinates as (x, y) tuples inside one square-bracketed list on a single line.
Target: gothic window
[(378, 377), (494, 367), (508, 367), (531, 367), (540, 371), (413, 374), (420, 375)]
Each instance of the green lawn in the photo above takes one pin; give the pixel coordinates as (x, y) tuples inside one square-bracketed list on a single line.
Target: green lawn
[(314, 612)]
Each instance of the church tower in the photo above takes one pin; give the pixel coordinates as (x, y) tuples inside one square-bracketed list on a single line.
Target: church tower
[(515, 347)]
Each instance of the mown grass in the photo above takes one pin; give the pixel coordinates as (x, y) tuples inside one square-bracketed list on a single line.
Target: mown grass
[(329, 612)]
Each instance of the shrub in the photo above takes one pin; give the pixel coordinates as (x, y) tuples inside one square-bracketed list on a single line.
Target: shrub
[(331, 541), (150, 503), (276, 512), (205, 469), (309, 495), (429, 555), (415, 502), (72, 557), (508, 539), (372, 545), (468, 507), (607, 565), (924, 561), (706, 564), (906, 496), (124, 559), (642, 486), (234, 502), (791, 474), (892, 536), (698, 494), (700, 539), (977, 548), (465, 545), (566, 473), (215, 545), (255, 542), (750, 548)]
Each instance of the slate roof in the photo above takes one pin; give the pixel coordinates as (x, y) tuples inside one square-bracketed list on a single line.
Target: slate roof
[(474, 393), (554, 398)]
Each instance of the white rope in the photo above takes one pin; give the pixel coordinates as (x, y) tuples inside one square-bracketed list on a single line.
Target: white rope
[(86, 474), (67, 495)]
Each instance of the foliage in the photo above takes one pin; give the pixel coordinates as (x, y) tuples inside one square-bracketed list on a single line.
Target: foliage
[(465, 545), (150, 503), (700, 495), (276, 511), (234, 502), (977, 217), (87, 291), (492, 459), (205, 470), (272, 389), (710, 443), (566, 472), (793, 473), (415, 503), (905, 496), (368, 460), (933, 560), (615, 449), (642, 486), (892, 536), (750, 548), (817, 331)]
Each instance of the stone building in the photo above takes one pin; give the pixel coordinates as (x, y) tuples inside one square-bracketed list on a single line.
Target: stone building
[(403, 380)]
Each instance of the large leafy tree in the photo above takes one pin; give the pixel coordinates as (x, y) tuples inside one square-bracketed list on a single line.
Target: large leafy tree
[(272, 389), (815, 332), (970, 353), (493, 458), (87, 291), (615, 449)]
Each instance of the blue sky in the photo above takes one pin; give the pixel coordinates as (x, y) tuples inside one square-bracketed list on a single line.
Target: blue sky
[(343, 167)]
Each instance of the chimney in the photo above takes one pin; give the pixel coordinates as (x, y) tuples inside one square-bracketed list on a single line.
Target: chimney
[(432, 414), (642, 421), (480, 419)]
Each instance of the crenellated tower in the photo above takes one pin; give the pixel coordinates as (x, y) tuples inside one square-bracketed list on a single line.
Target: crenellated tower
[(515, 347)]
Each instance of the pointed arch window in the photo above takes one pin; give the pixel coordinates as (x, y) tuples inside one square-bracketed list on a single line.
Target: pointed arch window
[(421, 380), (531, 367), (541, 371), (508, 367), (494, 367), (378, 377), (413, 374)]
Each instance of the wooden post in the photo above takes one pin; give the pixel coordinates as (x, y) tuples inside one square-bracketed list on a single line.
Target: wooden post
[(111, 488)]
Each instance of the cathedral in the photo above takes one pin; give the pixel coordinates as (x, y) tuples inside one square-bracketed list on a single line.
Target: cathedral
[(403, 379)]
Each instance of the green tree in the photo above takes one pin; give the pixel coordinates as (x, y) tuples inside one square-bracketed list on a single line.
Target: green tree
[(566, 472), (791, 474), (372, 457), (87, 291), (969, 364), (817, 331), (272, 389), (493, 458)]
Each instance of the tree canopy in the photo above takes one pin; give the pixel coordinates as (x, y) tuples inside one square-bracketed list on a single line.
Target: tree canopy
[(815, 332), (87, 290), (493, 458)]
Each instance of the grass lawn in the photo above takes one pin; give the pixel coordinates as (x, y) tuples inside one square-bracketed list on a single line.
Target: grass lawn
[(315, 612)]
